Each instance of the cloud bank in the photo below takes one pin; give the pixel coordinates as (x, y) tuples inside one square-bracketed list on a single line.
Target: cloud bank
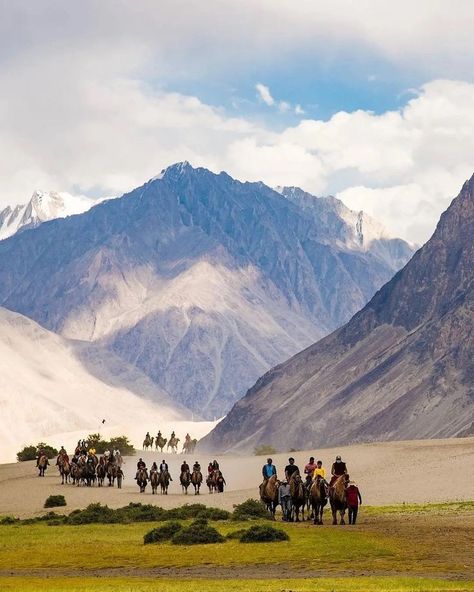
[(89, 105)]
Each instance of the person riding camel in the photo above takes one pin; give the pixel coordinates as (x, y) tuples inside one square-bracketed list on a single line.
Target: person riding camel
[(291, 469), (187, 438), (309, 470), (338, 468), (185, 467), (141, 464), (268, 469), (41, 453), (319, 471), (164, 468), (154, 468), (62, 456), (197, 467), (210, 468), (215, 465)]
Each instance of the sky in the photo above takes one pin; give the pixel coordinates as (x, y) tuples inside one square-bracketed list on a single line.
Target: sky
[(370, 101)]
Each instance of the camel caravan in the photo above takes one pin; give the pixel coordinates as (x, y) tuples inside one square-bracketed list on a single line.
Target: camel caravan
[(172, 443), (86, 468), (296, 495)]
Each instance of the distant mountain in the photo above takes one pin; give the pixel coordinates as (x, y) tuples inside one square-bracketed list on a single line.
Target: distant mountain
[(48, 385), (355, 231), (401, 368), (200, 281), (43, 206)]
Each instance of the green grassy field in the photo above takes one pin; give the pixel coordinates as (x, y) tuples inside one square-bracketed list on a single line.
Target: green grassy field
[(355, 584), (400, 547)]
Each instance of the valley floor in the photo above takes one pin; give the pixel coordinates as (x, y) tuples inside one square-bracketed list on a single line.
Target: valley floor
[(424, 471), (415, 532)]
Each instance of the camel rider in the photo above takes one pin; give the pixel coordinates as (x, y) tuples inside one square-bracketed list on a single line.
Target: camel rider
[(187, 438), (185, 467), (148, 437), (197, 467), (215, 465), (158, 435), (154, 468), (291, 469), (62, 456), (173, 435), (268, 470), (141, 464), (284, 498), (164, 468), (309, 470), (210, 469), (41, 453), (338, 468)]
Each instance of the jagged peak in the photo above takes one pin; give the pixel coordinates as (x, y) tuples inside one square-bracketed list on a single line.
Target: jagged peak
[(176, 169)]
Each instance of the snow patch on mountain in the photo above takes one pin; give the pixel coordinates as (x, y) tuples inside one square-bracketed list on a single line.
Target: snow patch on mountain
[(43, 206)]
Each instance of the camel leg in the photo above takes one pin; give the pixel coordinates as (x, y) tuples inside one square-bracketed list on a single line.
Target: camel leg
[(342, 517), (334, 517)]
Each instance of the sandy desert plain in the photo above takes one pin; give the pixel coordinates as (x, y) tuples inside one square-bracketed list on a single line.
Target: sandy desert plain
[(415, 529)]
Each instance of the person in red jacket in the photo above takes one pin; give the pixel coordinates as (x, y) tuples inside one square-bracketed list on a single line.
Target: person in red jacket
[(353, 498)]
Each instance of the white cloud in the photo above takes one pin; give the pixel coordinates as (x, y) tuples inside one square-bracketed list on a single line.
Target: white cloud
[(263, 93)]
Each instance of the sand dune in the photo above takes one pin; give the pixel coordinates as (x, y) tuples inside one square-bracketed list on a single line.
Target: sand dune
[(387, 473)]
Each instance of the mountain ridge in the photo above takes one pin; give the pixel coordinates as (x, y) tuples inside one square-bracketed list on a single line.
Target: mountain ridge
[(201, 281), (401, 367)]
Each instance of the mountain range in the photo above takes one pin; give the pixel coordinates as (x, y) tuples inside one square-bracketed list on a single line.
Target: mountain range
[(200, 282), (401, 368)]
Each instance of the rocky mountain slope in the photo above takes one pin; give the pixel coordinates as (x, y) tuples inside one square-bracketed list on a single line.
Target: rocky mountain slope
[(401, 368), (43, 206), (50, 385), (200, 281)]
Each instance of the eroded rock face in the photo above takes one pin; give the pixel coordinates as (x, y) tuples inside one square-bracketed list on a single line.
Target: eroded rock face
[(401, 368), (202, 282)]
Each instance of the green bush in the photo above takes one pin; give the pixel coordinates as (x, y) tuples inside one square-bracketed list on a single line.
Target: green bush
[(236, 534), (163, 533), (31, 452), (264, 450), (263, 534), (251, 509), (199, 533), (54, 501), (4, 520), (197, 511)]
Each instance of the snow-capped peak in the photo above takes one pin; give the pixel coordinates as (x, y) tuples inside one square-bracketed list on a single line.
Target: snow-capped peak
[(43, 206), (174, 170)]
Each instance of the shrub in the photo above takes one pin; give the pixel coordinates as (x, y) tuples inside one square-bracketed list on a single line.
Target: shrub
[(263, 534), (163, 533), (4, 520), (197, 511), (251, 509), (264, 450), (54, 501), (93, 514), (199, 533), (236, 534), (31, 452)]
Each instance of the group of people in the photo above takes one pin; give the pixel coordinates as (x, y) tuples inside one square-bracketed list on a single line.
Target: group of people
[(314, 471), (215, 478)]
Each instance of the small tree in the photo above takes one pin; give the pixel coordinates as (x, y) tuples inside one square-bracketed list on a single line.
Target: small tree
[(31, 452)]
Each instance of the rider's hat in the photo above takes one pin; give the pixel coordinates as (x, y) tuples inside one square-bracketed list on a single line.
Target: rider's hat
[(338, 457)]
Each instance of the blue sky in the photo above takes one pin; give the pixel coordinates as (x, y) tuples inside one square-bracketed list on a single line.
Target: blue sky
[(371, 101)]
